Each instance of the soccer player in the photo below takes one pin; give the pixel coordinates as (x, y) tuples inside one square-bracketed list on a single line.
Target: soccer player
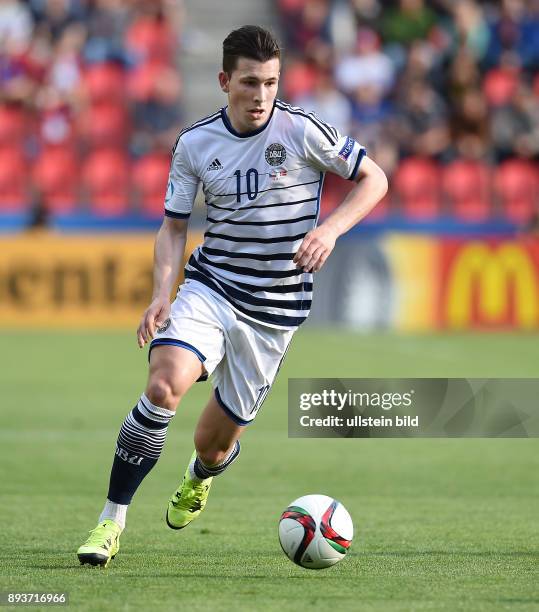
[(247, 288)]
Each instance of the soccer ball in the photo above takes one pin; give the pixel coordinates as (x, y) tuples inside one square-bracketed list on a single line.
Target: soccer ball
[(315, 531)]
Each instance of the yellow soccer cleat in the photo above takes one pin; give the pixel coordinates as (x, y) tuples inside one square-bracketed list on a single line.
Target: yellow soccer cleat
[(188, 501), (102, 545)]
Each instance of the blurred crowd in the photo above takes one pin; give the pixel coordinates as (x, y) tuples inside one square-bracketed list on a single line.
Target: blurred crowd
[(89, 102), (444, 94)]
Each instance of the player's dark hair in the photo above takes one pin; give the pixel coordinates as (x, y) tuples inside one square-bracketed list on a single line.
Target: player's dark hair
[(250, 41)]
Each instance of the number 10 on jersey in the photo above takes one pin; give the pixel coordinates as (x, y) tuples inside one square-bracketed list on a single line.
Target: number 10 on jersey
[(251, 179)]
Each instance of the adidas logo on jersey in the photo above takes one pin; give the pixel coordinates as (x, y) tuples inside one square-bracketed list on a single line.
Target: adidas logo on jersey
[(215, 165)]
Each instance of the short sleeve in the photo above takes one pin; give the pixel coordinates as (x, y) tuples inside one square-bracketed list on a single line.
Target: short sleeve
[(182, 185), (326, 149)]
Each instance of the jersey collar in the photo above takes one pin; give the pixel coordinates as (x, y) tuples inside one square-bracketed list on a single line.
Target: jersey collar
[(229, 127)]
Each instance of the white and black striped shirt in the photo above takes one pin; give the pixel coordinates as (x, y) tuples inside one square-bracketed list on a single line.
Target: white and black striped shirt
[(262, 192)]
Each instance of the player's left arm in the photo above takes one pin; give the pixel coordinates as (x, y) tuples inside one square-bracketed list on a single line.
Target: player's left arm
[(371, 186)]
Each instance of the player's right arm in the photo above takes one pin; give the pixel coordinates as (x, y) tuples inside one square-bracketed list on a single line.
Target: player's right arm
[(170, 241), (168, 255)]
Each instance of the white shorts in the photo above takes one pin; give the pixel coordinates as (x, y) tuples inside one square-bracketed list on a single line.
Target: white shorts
[(241, 356)]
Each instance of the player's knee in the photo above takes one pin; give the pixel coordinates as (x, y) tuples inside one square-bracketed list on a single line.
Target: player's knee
[(164, 393), (167, 389), (160, 393)]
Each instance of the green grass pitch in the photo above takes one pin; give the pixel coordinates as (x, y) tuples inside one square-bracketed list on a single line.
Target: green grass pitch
[(440, 524)]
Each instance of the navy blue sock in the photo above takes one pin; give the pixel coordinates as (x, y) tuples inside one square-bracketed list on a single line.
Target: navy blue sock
[(138, 448), (204, 471)]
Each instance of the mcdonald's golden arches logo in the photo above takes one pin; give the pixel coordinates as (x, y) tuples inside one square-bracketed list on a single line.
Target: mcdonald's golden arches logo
[(491, 285)]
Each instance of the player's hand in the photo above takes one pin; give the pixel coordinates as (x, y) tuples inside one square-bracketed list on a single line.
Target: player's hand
[(315, 249), (154, 316)]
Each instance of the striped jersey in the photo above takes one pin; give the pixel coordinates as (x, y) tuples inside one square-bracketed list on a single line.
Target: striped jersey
[(262, 192)]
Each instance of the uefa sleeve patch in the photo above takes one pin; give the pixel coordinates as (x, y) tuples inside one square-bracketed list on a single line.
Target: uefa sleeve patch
[(347, 148)]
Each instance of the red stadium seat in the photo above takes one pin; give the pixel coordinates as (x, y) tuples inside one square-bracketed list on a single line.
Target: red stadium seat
[(105, 178), (13, 122), (417, 185), (466, 184), (13, 181), (150, 176), (333, 193), (104, 82), (299, 79), (151, 39), (105, 125), (290, 7), (147, 78), (500, 85), (56, 178), (517, 185)]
